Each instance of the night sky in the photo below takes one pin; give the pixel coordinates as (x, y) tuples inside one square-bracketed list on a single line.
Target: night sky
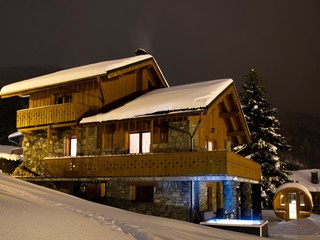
[(191, 40)]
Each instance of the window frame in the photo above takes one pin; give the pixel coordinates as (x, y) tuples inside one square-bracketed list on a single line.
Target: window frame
[(142, 193), (140, 139)]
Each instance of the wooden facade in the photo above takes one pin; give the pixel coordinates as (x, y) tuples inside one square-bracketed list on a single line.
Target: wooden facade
[(71, 101), (185, 144)]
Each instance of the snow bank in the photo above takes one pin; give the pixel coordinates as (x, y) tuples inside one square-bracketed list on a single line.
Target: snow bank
[(32, 212), (12, 157), (304, 228)]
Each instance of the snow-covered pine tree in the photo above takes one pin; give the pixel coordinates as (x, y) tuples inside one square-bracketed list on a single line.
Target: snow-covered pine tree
[(265, 135)]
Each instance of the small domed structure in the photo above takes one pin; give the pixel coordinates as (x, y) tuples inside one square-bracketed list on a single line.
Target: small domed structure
[(140, 51), (292, 201)]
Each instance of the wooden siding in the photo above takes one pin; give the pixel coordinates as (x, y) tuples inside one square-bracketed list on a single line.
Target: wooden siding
[(94, 93), (126, 85), (53, 114), (154, 165), (86, 92)]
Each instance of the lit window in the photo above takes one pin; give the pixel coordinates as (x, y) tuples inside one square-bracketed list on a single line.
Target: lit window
[(134, 142), (282, 200), (209, 146), (71, 146), (302, 203), (146, 140), (140, 142)]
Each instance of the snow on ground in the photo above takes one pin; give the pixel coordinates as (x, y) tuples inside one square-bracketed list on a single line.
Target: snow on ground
[(28, 211), (306, 228)]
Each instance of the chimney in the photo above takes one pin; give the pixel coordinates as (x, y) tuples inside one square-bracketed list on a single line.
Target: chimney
[(314, 177), (140, 51)]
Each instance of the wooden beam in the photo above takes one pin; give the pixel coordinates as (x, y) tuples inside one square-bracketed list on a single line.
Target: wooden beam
[(87, 140), (229, 114), (235, 133), (49, 140), (121, 71)]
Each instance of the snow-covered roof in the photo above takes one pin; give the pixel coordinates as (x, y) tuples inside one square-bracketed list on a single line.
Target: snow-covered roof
[(73, 74), (15, 135), (304, 177), (5, 152), (6, 148), (173, 99)]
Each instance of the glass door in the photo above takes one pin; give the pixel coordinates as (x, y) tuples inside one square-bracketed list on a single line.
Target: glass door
[(292, 205)]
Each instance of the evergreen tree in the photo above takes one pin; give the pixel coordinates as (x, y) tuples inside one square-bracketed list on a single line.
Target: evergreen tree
[(265, 135)]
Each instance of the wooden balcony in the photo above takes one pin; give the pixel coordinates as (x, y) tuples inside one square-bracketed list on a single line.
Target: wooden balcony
[(53, 114), (154, 165)]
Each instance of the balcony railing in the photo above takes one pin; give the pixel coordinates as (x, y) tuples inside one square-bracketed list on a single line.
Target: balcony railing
[(53, 114), (154, 165)]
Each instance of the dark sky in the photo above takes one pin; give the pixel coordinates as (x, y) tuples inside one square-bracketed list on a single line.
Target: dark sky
[(191, 40)]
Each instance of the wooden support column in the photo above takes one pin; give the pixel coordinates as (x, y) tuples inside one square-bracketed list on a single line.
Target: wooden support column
[(49, 141), (87, 140), (152, 133)]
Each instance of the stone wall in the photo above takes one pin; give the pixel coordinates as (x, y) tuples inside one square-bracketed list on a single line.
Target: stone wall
[(179, 138), (172, 199), (203, 197), (216, 192), (92, 141), (36, 147)]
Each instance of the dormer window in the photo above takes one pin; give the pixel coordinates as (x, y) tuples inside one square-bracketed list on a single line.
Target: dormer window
[(63, 98)]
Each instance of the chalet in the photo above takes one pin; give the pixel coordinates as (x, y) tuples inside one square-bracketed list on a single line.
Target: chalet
[(117, 131)]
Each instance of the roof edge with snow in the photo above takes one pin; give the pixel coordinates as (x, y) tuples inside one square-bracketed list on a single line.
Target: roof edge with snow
[(75, 74), (177, 99)]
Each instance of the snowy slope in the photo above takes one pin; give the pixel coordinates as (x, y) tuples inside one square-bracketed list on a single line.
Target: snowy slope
[(29, 211)]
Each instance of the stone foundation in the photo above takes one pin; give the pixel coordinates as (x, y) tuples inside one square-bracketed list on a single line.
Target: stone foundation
[(172, 199)]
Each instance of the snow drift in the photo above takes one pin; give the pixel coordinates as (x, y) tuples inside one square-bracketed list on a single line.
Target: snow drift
[(33, 212)]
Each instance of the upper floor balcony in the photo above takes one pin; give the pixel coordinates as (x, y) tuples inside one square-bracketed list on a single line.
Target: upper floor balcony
[(179, 164), (53, 114)]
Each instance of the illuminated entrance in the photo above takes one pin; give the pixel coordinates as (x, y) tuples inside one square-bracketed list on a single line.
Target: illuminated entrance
[(292, 205)]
